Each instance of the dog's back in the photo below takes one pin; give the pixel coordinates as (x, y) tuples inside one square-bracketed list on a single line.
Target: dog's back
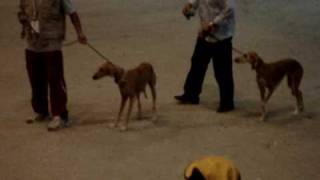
[(286, 66), (137, 78), (274, 72)]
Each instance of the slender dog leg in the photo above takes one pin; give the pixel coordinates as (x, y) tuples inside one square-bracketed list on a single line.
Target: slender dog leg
[(270, 92), (294, 82), (125, 126), (139, 107), (154, 99), (123, 103), (263, 104), (299, 99), (301, 104)]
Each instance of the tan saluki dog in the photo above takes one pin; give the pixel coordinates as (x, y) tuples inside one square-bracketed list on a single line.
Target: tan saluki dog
[(269, 76), (131, 84)]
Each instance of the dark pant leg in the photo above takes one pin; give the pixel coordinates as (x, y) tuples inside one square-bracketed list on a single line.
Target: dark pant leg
[(36, 68), (222, 64), (199, 64), (57, 85)]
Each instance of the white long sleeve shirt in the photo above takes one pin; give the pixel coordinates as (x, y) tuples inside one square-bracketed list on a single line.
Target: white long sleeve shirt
[(220, 13)]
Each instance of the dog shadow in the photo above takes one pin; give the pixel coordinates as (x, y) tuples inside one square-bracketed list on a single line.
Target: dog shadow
[(91, 121), (276, 116), (136, 123), (285, 116)]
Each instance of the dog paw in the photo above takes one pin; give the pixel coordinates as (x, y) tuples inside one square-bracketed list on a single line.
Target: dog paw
[(112, 125), (139, 117), (154, 119), (29, 121), (263, 118), (301, 108), (296, 112), (123, 128)]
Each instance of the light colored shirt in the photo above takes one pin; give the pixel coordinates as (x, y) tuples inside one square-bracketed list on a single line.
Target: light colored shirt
[(68, 6), (218, 12)]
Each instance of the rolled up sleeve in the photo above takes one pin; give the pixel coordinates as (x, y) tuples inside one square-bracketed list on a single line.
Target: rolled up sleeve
[(68, 6), (226, 13)]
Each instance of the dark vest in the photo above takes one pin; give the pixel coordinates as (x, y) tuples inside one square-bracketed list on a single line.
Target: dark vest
[(51, 18)]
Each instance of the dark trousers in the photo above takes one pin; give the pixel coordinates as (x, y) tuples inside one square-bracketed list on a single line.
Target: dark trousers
[(221, 55), (45, 71)]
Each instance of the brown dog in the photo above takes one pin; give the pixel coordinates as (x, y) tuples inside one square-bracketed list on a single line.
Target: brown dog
[(270, 75), (131, 84)]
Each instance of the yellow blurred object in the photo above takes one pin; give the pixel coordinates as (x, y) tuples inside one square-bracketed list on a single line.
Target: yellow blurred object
[(213, 168)]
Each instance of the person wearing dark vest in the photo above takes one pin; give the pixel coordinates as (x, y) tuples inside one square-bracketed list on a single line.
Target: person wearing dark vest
[(44, 27), (214, 42)]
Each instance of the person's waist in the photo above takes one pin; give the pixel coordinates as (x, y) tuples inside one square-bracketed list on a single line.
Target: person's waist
[(210, 39), (219, 36)]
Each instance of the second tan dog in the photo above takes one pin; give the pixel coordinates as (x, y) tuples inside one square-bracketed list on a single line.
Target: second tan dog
[(131, 84), (269, 76)]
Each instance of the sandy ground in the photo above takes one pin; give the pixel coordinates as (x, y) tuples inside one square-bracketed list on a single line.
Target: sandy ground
[(131, 31)]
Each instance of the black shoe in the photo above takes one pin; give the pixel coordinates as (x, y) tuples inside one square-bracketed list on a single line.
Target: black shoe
[(65, 116), (223, 109), (187, 100), (38, 118)]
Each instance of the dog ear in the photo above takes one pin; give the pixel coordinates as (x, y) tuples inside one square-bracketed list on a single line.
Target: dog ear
[(196, 175), (253, 56), (112, 69), (117, 74)]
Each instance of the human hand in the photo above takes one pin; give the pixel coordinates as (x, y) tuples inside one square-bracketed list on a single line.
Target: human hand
[(206, 29), (82, 38), (187, 11)]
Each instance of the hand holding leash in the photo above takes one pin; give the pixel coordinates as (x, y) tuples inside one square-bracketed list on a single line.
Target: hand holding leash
[(82, 39), (188, 11), (206, 29)]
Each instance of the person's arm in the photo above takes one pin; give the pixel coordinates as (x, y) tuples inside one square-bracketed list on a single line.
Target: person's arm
[(70, 10), (225, 13), (77, 25), (209, 27)]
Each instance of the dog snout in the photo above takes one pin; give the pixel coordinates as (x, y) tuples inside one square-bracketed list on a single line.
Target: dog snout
[(241, 59), (95, 77), (237, 60)]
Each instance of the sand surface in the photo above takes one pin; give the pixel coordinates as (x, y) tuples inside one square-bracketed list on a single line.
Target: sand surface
[(128, 32)]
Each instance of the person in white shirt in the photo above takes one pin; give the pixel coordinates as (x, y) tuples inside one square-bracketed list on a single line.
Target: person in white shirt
[(214, 42)]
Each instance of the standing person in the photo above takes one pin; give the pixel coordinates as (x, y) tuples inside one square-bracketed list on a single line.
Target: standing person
[(214, 42), (44, 27)]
